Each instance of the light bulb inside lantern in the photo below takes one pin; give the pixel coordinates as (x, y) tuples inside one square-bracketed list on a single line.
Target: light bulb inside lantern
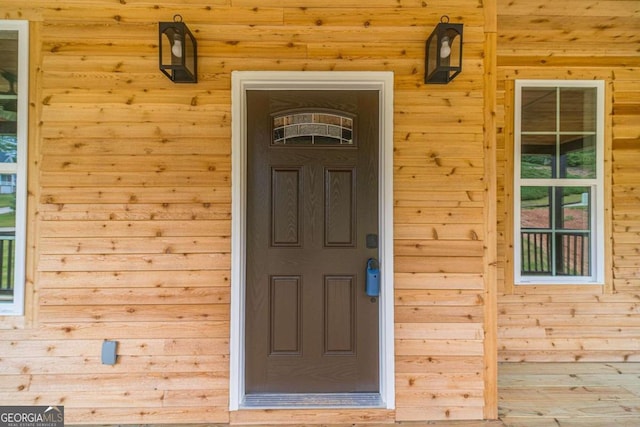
[(445, 49), (176, 48)]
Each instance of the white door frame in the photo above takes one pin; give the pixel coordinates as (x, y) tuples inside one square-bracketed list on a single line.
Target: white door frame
[(308, 80)]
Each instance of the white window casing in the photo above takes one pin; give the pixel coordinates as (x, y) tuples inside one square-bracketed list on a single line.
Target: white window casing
[(592, 199), (13, 304)]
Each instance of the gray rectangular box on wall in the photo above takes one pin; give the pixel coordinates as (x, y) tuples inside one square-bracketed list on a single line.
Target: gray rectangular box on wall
[(109, 352)]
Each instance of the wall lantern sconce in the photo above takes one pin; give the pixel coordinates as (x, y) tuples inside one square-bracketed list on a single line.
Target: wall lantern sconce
[(443, 53), (178, 51)]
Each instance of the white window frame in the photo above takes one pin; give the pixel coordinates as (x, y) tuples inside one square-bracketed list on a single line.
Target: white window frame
[(16, 306), (597, 188)]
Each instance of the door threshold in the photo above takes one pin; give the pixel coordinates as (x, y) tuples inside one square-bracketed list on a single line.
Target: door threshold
[(312, 400)]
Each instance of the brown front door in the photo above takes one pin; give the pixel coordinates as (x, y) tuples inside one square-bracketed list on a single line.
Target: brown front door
[(312, 224)]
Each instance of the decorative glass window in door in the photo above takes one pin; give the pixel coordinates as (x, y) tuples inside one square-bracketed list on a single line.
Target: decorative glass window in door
[(14, 77), (313, 128)]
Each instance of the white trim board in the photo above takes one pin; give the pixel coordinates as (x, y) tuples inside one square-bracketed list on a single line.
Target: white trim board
[(15, 307), (307, 80)]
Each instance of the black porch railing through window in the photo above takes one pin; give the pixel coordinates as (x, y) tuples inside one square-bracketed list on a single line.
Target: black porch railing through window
[(566, 254), (7, 261)]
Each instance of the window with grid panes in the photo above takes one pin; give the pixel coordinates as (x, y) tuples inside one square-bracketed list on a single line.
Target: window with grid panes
[(558, 188)]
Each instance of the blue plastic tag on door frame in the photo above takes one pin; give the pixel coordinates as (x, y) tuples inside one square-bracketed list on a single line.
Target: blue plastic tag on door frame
[(373, 278)]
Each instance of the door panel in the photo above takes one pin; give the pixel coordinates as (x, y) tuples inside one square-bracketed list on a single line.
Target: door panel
[(286, 208), (285, 320), (340, 321), (340, 203), (312, 198)]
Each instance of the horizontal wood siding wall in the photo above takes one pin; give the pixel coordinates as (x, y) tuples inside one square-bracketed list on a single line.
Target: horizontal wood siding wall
[(547, 39), (129, 227)]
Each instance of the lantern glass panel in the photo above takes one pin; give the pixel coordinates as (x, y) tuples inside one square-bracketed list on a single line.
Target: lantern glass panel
[(190, 54), (167, 43), (432, 55), (456, 47)]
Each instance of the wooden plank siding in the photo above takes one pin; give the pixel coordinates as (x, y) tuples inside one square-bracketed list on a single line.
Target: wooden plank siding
[(129, 232), (546, 39)]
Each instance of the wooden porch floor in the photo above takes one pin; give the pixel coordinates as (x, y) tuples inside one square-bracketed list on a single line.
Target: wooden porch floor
[(569, 394)]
